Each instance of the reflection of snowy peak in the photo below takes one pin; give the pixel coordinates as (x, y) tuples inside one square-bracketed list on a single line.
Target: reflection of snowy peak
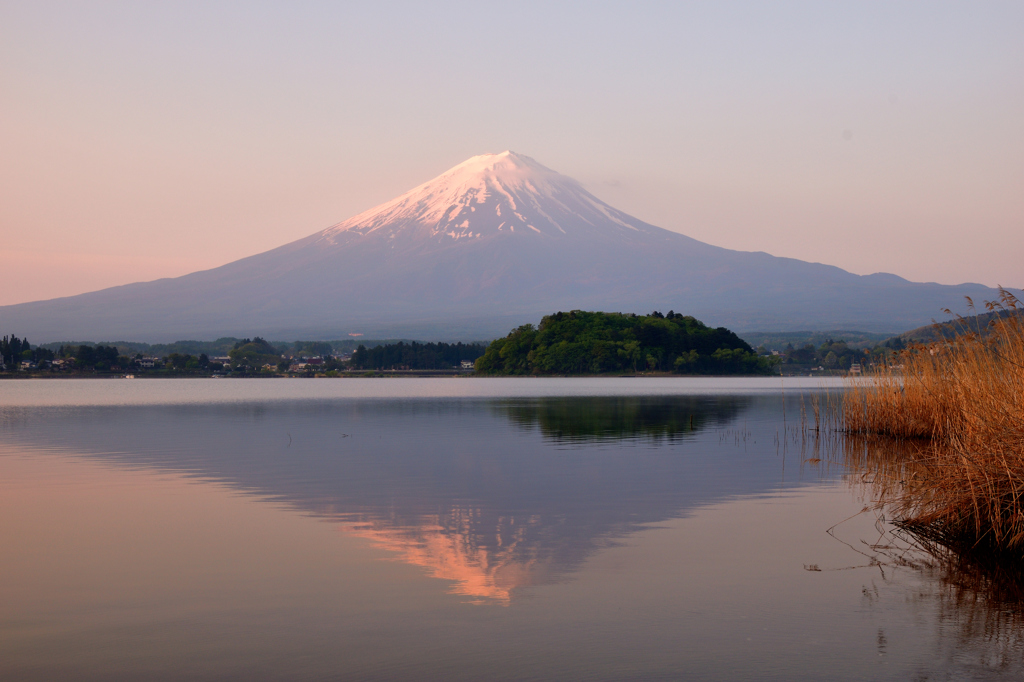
[(488, 195), (485, 562), (493, 243)]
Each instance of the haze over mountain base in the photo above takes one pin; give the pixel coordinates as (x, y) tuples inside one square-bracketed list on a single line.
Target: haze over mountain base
[(495, 242)]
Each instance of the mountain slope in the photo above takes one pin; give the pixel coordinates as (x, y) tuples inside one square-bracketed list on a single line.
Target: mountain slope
[(494, 242)]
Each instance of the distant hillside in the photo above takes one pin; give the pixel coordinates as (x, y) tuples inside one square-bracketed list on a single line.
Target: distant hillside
[(949, 328), (779, 340), (928, 333)]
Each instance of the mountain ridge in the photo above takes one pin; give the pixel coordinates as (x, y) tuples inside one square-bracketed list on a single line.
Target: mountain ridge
[(496, 241)]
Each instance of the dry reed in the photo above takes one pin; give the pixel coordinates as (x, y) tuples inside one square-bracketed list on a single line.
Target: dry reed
[(961, 402)]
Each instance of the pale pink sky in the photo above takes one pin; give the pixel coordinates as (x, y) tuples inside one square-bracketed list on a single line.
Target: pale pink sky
[(145, 141)]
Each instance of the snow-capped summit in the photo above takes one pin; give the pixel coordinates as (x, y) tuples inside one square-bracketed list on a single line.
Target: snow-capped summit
[(486, 196)]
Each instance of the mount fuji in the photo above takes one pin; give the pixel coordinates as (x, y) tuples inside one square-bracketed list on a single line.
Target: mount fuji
[(497, 241)]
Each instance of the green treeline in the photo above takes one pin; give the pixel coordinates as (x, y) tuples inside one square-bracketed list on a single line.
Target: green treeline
[(836, 355), (15, 351), (102, 358), (11, 349), (581, 342), (254, 353), (223, 345), (415, 355)]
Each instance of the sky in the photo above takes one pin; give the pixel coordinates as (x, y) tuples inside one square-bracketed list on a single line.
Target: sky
[(148, 140)]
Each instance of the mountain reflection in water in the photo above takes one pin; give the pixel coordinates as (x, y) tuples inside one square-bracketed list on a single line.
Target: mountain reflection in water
[(477, 492), (677, 537)]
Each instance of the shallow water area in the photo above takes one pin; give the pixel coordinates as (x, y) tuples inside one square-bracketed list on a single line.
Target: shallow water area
[(457, 528)]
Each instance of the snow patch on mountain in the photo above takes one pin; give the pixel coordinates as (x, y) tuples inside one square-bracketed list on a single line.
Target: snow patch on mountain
[(511, 190)]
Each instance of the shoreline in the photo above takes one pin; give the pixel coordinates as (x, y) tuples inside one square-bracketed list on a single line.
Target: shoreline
[(384, 374)]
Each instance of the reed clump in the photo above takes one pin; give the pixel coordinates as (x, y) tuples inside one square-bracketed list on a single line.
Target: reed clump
[(961, 400)]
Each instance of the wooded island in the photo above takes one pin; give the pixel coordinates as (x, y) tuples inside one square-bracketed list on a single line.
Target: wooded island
[(580, 342)]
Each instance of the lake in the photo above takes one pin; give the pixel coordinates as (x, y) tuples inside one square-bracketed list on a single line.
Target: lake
[(460, 529)]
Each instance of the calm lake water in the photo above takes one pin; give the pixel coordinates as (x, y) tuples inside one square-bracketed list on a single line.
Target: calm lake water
[(458, 528)]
